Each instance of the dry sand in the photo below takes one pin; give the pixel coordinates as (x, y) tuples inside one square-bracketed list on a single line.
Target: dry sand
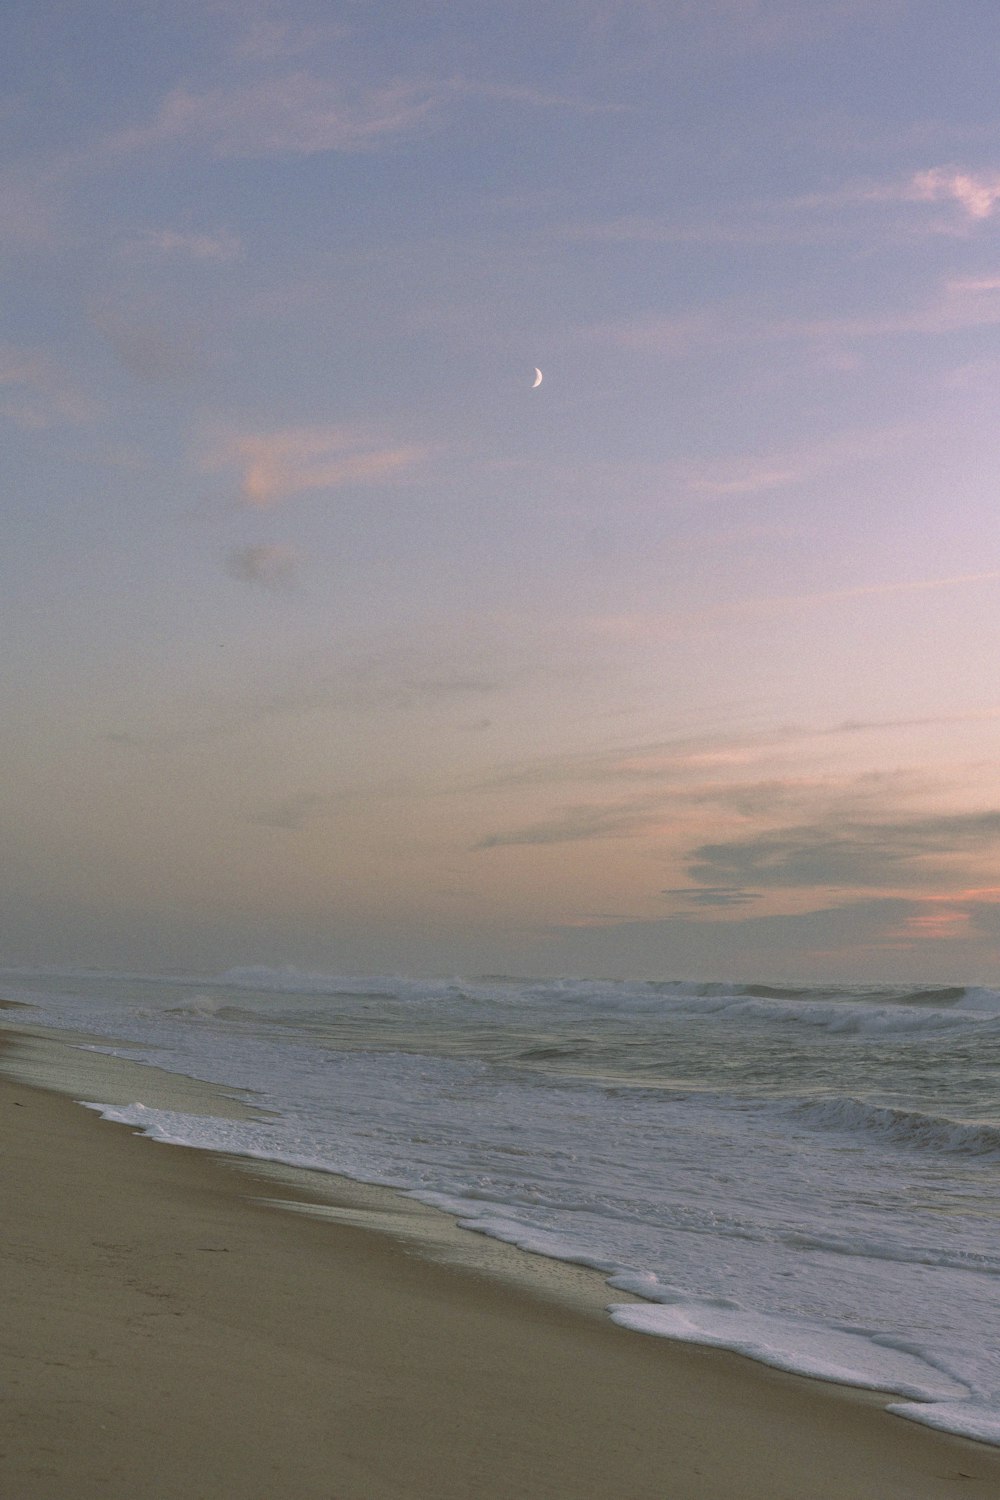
[(168, 1336)]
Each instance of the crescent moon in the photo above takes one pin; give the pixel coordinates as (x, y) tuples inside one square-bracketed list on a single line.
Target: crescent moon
[(537, 380)]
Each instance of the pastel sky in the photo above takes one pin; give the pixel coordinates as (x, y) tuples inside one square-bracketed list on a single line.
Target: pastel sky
[(329, 641)]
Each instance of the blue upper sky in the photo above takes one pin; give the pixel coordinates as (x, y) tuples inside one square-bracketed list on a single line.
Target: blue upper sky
[(331, 641)]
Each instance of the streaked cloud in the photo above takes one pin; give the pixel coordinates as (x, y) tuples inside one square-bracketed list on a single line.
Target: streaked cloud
[(274, 466), (651, 30), (779, 23), (879, 854), (868, 591), (714, 896), (724, 766), (750, 474), (959, 303), (534, 98), (574, 824), (293, 114)]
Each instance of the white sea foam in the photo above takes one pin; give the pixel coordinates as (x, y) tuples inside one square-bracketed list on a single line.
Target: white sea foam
[(848, 1357), (808, 1177)]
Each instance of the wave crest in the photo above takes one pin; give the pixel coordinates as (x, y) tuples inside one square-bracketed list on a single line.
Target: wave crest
[(903, 1127)]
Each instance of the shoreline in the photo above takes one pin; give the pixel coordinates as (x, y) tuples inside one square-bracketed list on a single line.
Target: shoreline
[(170, 1334)]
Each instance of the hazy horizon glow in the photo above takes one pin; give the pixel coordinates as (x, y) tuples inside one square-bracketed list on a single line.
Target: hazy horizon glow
[(332, 642)]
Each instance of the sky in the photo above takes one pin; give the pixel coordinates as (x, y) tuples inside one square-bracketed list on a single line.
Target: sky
[(330, 641)]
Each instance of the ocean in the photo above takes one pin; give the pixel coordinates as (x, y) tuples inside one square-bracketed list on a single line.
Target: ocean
[(810, 1176)]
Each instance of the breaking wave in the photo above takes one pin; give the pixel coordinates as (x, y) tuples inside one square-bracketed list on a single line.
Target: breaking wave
[(903, 1127)]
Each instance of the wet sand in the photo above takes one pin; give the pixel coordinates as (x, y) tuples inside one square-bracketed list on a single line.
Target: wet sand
[(168, 1333)]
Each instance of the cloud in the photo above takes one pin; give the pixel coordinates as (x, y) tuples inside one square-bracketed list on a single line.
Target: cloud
[(646, 27), (27, 209), (845, 853), (403, 680), (840, 846), (38, 392), (750, 474), (684, 763), (408, 680), (151, 352), (294, 114), (274, 466), (984, 916), (574, 824), (875, 590), (267, 565), (675, 334), (754, 224), (978, 196), (958, 304), (291, 813), (220, 247), (816, 218), (860, 937), (712, 895), (264, 39), (962, 302), (769, 24), (508, 93)]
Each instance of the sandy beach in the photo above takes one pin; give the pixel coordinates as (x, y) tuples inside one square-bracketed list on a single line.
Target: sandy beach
[(169, 1333)]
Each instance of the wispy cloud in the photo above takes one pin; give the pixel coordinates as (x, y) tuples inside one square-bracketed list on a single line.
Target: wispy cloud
[(853, 211), (534, 98), (27, 209), (671, 334), (779, 23), (447, 681), (264, 38), (750, 474), (749, 224), (273, 466), (37, 392), (292, 813), (959, 303), (296, 114), (268, 566), (643, 29), (722, 767), (574, 824), (220, 246), (867, 590)]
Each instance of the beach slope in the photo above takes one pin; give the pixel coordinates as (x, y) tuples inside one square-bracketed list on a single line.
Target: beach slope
[(166, 1334)]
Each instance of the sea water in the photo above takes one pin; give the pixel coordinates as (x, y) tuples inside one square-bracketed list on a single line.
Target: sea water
[(809, 1176)]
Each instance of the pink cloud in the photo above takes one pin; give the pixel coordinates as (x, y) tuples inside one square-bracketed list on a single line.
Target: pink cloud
[(978, 196), (273, 466)]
